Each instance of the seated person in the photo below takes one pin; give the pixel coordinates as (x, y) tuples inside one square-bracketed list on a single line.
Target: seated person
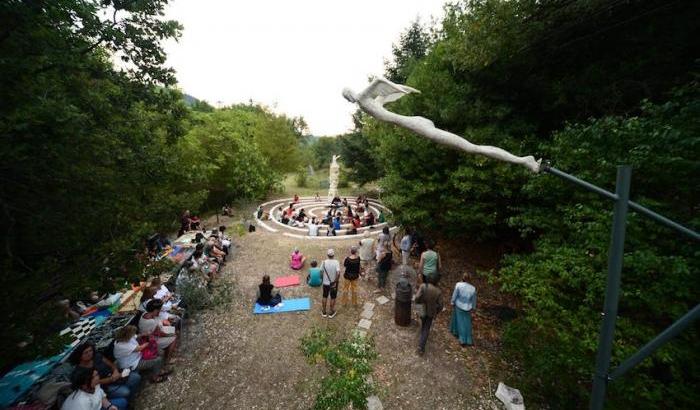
[(109, 376), (259, 212), (128, 353), (195, 223), (296, 259), (265, 296), (151, 324), (369, 219), (162, 243), (225, 240), (289, 211), (316, 197), (296, 199), (356, 222), (328, 218), (213, 250), (381, 218), (314, 276), (227, 210), (313, 227), (284, 219), (280, 214), (336, 223), (88, 394)]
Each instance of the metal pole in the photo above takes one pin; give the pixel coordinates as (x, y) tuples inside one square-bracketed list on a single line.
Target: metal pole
[(612, 288), (632, 205), (657, 342)]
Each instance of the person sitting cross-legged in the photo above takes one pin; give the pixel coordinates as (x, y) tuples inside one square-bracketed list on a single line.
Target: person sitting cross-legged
[(296, 259), (314, 276), (265, 295)]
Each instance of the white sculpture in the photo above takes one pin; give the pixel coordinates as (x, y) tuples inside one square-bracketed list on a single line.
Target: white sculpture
[(382, 91), (333, 178)]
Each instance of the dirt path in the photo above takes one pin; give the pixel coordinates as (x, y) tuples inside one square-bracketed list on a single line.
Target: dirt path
[(235, 360)]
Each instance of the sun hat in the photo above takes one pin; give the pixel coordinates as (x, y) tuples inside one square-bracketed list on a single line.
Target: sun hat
[(330, 252)]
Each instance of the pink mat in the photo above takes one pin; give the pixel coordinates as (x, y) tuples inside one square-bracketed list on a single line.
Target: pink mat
[(285, 281)]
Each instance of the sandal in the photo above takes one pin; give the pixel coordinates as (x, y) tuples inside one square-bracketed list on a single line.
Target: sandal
[(159, 379)]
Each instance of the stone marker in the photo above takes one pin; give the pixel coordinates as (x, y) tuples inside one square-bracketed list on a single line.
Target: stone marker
[(364, 323), (368, 306), (367, 314), (510, 397), (373, 403), (382, 300)]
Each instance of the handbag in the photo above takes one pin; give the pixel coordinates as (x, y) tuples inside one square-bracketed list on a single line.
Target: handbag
[(151, 351), (333, 285)]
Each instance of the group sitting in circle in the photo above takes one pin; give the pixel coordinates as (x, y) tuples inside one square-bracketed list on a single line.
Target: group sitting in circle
[(341, 213)]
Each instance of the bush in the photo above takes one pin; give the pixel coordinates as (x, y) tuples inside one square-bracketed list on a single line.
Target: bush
[(349, 365), (301, 178)]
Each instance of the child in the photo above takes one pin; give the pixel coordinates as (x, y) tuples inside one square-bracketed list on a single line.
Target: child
[(314, 276)]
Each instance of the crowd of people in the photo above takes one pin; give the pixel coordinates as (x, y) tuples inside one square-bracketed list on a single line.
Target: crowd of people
[(148, 347), (341, 214), (376, 256)]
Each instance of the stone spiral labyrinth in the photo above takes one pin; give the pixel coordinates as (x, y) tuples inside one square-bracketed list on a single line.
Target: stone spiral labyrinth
[(317, 208)]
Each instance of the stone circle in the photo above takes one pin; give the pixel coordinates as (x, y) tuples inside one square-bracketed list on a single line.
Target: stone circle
[(317, 208)]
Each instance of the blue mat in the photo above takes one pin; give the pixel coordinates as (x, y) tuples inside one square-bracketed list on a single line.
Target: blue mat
[(288, 305)]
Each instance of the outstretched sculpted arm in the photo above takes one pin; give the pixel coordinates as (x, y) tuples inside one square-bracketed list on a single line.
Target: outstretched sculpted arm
[(381, 91)]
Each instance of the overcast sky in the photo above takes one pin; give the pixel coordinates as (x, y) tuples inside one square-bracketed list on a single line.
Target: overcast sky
[(293, 56)]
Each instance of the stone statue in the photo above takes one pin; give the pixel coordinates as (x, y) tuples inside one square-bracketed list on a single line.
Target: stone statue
[(382, 91), (333, 178)]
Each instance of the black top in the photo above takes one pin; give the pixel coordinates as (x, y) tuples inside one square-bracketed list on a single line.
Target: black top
[(352, 268), (265, 293), (385, 263)]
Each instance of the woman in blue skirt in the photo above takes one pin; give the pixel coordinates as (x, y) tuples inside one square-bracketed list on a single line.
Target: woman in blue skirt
[(463, 302)]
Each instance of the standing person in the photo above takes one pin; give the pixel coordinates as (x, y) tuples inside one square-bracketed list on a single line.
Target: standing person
[(429, 295), (366, 254), (329, 271), (383, 267), (430, 264), (383, 243), (464, 302), (351, 274), (406, 247)]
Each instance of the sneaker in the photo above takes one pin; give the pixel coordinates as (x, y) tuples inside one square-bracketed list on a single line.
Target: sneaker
[(324, 314), (332, 315), (420, 352)]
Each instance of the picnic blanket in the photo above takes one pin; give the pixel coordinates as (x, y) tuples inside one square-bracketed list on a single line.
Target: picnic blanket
[(284, 281), (18, 381), (289, 305)]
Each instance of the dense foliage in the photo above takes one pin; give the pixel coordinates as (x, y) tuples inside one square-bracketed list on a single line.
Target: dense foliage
[(96, 156), (527, 76), (349, 365)]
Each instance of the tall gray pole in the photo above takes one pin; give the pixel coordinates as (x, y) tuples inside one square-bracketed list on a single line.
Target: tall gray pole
[(612, 288)]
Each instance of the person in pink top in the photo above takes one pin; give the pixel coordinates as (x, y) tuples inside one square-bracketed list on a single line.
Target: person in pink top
[(297, 259)]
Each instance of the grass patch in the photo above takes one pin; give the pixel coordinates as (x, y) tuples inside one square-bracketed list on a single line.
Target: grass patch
[(349, 363)]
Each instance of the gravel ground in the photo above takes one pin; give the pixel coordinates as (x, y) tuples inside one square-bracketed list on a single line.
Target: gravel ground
[(232, 359)]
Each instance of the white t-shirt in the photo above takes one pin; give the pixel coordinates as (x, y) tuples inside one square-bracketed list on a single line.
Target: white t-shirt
[(329, 271), (82, 400), (366, 249), (162, 292), (313, 229), (126, 354)]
